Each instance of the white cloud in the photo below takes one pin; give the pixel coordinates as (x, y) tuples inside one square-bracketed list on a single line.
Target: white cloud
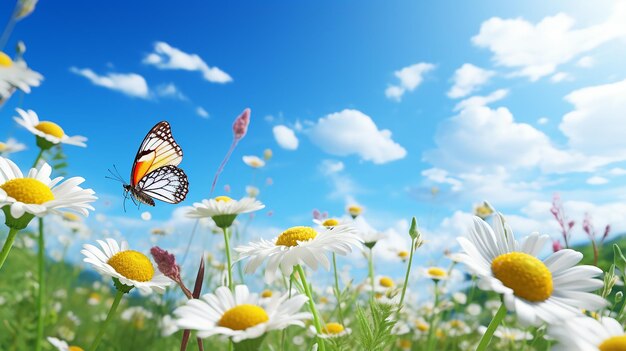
[(596, 123), (536, 50), (467, 79), (561, 77), (543, 120), (410, 78), (617, 171), (352, 132), (597, 180), (586, 62), (328, 167), (170, 90), (200, 111), (130, 84), (168, 57), (285, 137), (442, 176)]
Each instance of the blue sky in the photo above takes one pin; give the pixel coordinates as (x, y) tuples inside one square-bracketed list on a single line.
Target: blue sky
[(325, 69)]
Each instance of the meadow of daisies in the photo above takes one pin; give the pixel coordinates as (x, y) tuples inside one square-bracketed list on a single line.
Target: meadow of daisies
[(262, 295)]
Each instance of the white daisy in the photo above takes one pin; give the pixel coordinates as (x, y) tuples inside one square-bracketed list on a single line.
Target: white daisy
[(588, 334), (50, 132), (297, 245), (331, 330), (240, 316), (538, 291), (130, 267), (354, 211), (11, 146), (435, 273), (61, 345), (223, 210), (16, 75), (382, 284), (38, 195), (253, 161), (329, 222), (509, 334)]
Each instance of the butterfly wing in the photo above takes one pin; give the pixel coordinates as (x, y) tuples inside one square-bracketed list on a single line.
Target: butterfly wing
[(158, 149), (167, 183)]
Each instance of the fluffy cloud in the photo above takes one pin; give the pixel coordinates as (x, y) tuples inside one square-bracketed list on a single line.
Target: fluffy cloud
[(130, 84), (200, 111), (342, 185), (467, 79), (410, 78), (285, 137), (593, 124), (536, 50), (597, 180), (170, 90), (328, 167), (351, 132), (168, 57)]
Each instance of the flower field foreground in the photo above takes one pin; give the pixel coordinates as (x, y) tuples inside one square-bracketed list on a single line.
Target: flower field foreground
[(194, 256)]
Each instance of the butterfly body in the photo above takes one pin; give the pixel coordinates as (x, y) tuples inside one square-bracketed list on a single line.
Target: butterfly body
[(155, 173)]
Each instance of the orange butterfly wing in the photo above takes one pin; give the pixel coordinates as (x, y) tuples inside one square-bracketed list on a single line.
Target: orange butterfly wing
[(157, 150)]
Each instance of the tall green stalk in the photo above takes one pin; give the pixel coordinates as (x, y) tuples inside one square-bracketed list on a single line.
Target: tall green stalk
[(8, 244), (493, 325), (41, 256), (228, 260), (316, 317), (337, 291), (370, 265), (430, 344), (408, 271), (116, 302)]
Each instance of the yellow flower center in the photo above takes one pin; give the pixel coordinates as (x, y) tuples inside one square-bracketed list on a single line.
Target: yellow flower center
[(529, 278), (3, 146), (72, 217), (333, 328), (94, 296), (132, 265), (223, 199), (386, 282), (437, 273), (291, 236), (455, 323), (76, 348), (28, 191), (403, 254), (355, 210), (243, 317), (614, 343), (50, 128), (331, 222), (5, 60), (323, 299), (421, 326), (404, 344), (266, 293)]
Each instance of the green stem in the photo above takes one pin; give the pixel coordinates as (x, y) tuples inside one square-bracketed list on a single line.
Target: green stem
[(337, 291), (38, 158), (370, 262), (228, 260), (431, 322), (8, 244), (408, 270), (619, 316), (116, 302), (497, 319), (41, 255), (316, 318)]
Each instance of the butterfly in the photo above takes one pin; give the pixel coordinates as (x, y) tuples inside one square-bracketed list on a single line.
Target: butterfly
[(155, 173)]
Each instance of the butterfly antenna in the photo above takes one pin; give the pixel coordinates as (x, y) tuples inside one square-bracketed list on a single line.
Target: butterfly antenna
[(114, 176), (118, 172)]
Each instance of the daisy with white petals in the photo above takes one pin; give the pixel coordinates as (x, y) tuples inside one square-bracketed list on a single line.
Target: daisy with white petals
[(538, 291), (48, 133), (547, 291), (22, 198), (223, 210), (61, 345), (16, 75), (240, 315), (253, 161), (131, 268), (11, 146), (128, 268), (295, 246), (588, 334)]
